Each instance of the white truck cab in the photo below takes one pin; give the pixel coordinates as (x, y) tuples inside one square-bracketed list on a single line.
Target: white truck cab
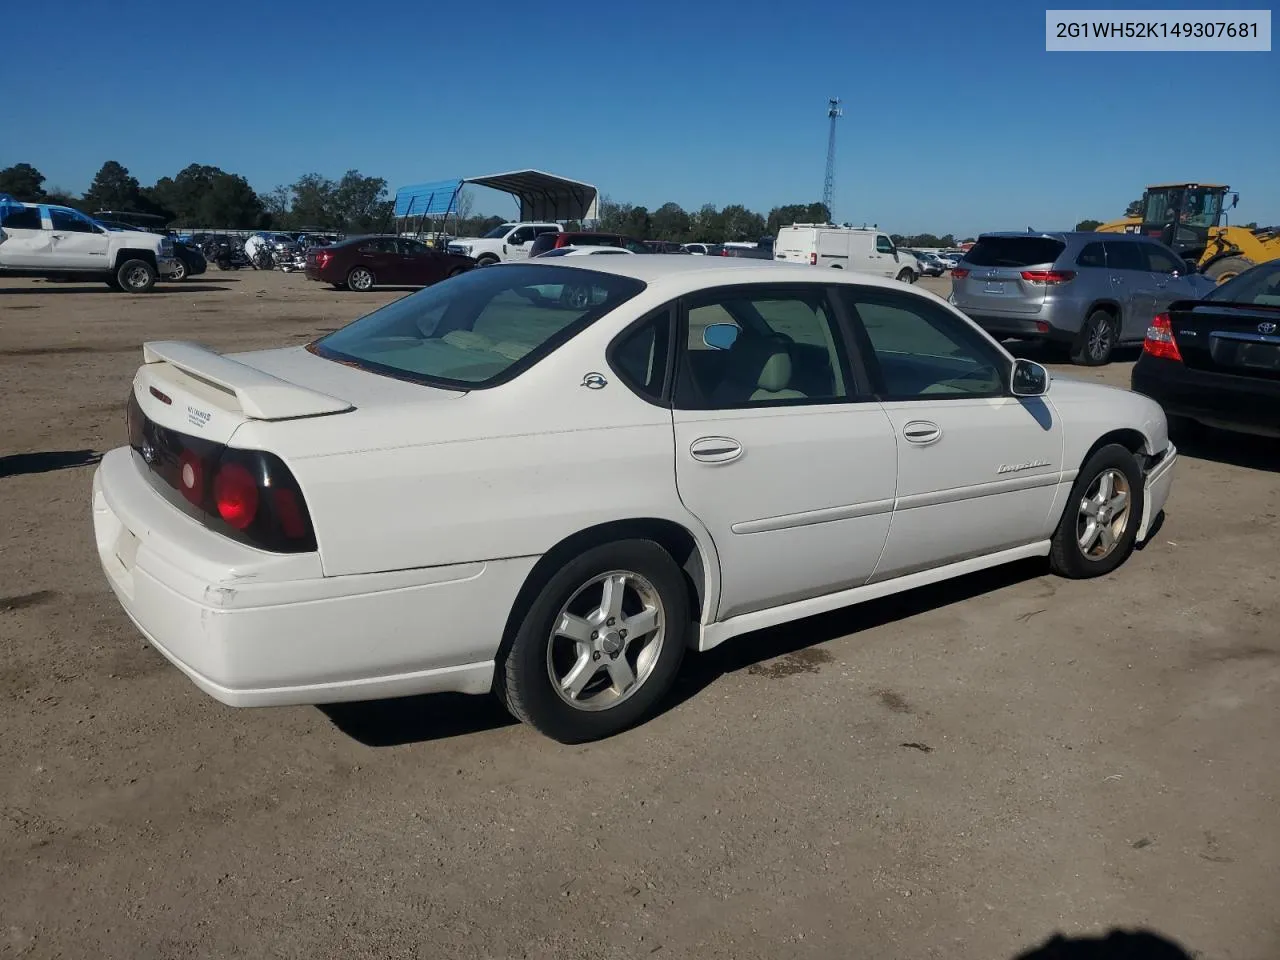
[(845, 248), (509, 241), (51, 241)]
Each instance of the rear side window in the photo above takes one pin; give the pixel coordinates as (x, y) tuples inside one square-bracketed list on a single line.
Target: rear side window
[(1091, 256), (640, 355), (594, 240), (20, 218), (1125, 256), (383, 245), (1014, 251)]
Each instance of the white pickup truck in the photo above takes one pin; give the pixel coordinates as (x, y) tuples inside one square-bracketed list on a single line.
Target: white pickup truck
[(510, 241), (46, 240)]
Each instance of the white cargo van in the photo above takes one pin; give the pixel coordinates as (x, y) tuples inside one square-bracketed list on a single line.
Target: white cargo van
[(844, 248)]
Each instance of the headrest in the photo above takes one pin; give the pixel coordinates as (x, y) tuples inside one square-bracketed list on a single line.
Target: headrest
[(775, 375)]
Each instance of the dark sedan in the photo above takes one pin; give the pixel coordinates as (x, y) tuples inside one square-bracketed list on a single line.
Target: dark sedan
[(363, 263), (1216, 361)]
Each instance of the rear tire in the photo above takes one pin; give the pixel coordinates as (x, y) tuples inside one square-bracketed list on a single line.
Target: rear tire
[(180, 273), (456, 272), (486, 261), (360, 279), (619, 679), (1097, 340), (1227, 268), (136, 276), (1099, 498)]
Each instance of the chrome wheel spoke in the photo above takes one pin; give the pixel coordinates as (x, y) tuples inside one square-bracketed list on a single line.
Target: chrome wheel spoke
[(621, 674), (1118, 502), (575, 628), (1105, 487), (615, 587), (1089, 508), (1106, 536), (1090, 536), (644, 622), (576, 680)]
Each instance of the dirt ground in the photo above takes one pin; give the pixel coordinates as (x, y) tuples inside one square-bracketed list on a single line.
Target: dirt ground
[(956, 773)]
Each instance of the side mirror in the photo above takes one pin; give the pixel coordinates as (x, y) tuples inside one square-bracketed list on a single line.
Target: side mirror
[(720, 336), (1235, 199), (1028, 379), (516, 242)]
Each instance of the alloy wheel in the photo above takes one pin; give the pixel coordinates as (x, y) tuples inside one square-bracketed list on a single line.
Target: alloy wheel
[(1103, 514), (606, 640)]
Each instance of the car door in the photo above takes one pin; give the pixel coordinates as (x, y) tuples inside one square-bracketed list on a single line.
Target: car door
[(382, 257), (884, 257), (833, 249), (25, 238), (780, 451), (1167, 276), (1132, 287), (978, 468), (78, 242), (516, 245), (420, 266)]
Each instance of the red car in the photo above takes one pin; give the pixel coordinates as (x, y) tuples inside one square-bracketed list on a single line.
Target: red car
[(363, 263)]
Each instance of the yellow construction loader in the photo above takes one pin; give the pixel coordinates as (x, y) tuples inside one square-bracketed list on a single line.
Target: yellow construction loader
[(1189, 218)]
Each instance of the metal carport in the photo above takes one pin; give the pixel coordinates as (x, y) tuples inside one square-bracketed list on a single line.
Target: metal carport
[(542, 196)]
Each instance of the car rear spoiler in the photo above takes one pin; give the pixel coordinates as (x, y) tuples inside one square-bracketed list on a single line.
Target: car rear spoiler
[(258, 394)]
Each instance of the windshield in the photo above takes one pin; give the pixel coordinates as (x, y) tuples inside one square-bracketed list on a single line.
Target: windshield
[(1201, 207), (481, 327), (498, 233), (1259, 286)]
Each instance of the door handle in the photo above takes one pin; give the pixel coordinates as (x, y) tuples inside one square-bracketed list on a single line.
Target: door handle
[(1117, 279), (922, 431), (715, 449)]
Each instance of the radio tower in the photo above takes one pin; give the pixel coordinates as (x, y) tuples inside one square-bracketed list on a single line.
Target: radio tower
[(829, 184)]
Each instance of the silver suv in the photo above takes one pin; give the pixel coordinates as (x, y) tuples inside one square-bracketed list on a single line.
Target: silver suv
[(1086, 291)]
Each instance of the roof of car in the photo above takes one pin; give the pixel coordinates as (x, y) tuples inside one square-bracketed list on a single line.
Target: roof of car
[(1084, 235), (660, 270)]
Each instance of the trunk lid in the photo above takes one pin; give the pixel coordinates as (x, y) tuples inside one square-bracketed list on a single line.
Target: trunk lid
[(1233, 338)]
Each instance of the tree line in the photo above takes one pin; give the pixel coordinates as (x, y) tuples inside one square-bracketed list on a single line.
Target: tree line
[(201, 195)]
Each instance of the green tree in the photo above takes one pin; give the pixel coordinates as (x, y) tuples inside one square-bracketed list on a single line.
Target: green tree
[(207, 196), (1134, 209), (113, 189), (671, 222), (1088, 225), (790, 213), (741, 223), (707, 224), (313, 202), (359, 204), (637, 223), (23, 182)]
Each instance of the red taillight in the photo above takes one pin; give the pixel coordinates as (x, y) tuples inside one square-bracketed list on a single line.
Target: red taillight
[(813, 259), (322, 258), (1159, 341), (235, 492), (1048, 276), (292, 520), (959, 273)]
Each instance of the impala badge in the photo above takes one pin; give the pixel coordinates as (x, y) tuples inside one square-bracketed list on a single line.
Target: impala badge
[(1016, 467)]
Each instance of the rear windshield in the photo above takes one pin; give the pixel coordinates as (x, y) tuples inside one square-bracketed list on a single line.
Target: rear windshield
[(1013, 251), (480, 328), (1259, 286)]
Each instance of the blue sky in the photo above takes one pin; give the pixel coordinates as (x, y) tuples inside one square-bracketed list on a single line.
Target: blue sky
[(956, 119)]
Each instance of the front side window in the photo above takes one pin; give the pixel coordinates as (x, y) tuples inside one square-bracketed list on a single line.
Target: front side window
[(497, 233), (1122, 255), (379, 245), (523, 235), (884, 244), (1160, 260), (70, 221), (481, 328), (749, 345), (413, 247), (922, 351)]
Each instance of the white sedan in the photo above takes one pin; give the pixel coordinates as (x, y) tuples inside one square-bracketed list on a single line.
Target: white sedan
[(587, 251), (480, 487)]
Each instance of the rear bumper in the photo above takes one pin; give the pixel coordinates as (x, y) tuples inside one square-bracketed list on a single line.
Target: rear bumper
[(1024, 327), (252, 628), (1224, 400)]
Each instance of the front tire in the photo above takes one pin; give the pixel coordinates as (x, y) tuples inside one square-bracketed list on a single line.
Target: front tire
[(1099, 527), (906, 276), (180, 273), (360, 279), (1097, 340), (136, 276), (487, 261), (600, 645)]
